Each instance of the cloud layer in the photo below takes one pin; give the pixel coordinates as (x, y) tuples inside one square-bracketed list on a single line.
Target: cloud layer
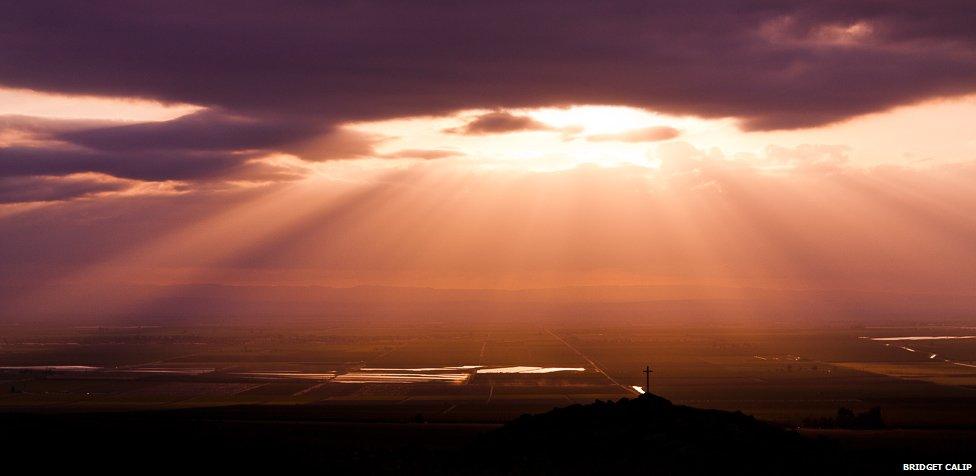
[(283, 76), (773, 64)]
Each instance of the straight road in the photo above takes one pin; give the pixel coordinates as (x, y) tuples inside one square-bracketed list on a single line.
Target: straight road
[(593, 364)]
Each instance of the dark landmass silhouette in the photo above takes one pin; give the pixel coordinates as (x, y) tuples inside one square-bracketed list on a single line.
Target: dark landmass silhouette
[(649, 435), (644, 435)]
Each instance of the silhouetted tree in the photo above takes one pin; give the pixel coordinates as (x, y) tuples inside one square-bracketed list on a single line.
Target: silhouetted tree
[(848, 419), (845, 418)]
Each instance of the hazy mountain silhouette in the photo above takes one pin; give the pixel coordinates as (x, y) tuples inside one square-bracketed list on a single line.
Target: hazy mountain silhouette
[(213, 304)]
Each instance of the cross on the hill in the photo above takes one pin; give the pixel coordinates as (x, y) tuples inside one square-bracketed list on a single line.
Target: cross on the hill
[(647, 377)]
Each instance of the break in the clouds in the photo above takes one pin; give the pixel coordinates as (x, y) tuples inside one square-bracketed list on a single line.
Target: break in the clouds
[(649, 134), (425, 154)]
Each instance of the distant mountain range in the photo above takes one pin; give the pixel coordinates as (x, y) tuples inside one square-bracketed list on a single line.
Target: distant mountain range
[(211, 303)]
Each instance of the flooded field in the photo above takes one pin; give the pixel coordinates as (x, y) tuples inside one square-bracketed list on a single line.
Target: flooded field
[(920, 378)]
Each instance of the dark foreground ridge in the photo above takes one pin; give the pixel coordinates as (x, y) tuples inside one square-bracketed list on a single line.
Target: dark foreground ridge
[(644, 435), (649, 435)]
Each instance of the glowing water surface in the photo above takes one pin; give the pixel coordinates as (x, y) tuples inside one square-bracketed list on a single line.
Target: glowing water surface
[(920, 338), (401, 377), (291, 375), (58, 368), (170, 371), (529, 370)]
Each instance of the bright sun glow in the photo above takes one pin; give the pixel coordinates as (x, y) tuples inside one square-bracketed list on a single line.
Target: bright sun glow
[(565, 138), (609, 136)]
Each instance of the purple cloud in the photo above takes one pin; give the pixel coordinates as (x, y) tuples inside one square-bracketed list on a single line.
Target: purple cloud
[(42, 189), (285, 82), (499, 122), (141, 165), (771, 64), (204, 130)]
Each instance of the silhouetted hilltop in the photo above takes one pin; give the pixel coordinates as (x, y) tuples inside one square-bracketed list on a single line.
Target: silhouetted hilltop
[(650, 435), (647, 435)]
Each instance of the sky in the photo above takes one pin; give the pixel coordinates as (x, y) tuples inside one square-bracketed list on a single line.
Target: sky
[(506, 145)]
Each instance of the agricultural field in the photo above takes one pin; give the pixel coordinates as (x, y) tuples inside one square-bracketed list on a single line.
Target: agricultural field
[(488, 374)]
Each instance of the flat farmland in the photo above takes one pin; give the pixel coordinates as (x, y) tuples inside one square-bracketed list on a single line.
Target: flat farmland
[(486, 374)]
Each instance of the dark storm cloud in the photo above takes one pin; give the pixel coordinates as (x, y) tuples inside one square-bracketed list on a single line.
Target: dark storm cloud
[(499, 123), (649, 134), (204, 130), (283, 76), (34, 189), (772, 64), (206, 146), (141, 165)]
